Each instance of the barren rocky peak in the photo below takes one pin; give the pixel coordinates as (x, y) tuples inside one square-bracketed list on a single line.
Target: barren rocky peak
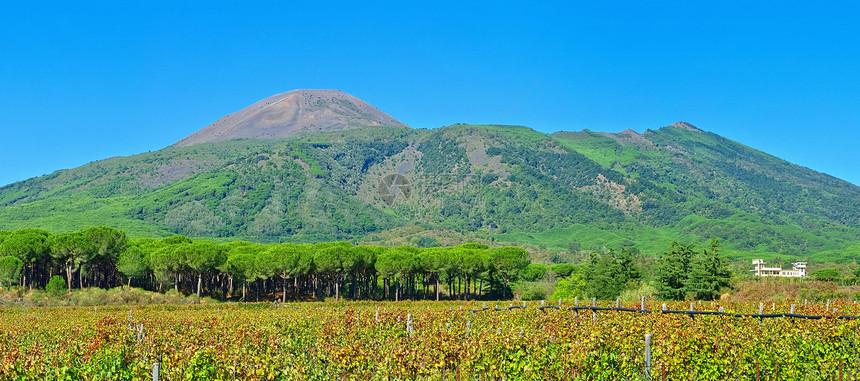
[(285, 114)]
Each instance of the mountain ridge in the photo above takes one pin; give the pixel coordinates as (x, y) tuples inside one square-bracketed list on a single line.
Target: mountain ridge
[(489, 182)]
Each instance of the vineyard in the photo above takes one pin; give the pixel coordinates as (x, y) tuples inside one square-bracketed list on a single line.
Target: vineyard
[(428, 340)]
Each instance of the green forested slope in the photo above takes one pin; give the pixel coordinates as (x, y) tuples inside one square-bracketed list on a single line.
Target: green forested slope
[(568, 189)]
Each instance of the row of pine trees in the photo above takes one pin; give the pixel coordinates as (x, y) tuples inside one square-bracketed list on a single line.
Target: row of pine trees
[(104, 257)]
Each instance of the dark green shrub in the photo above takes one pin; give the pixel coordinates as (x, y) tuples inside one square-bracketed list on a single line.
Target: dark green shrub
[(533, 291), (562, 269), (826, 275), (56, 285)]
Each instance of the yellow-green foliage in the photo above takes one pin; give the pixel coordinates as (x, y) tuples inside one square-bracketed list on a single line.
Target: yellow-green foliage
[(324, 341)]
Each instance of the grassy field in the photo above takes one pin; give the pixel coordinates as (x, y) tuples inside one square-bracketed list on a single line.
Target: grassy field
[(372, 340)]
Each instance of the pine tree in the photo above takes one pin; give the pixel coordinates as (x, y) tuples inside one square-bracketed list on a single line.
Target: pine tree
[(709, 274), (610, 273), (674, 271)]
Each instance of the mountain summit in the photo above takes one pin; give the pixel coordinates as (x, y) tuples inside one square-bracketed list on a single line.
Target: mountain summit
[(686, 126), (285, 114)]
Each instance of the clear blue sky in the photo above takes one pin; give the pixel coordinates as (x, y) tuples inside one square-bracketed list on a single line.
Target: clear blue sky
[(82, 81)]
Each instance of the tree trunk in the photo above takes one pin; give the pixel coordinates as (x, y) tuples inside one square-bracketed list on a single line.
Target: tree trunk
[(199, 283), (437, 288), (505, 290), (69, 277), (337, 287)]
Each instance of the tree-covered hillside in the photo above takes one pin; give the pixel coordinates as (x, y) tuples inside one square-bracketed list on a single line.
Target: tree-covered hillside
[(503, 183)]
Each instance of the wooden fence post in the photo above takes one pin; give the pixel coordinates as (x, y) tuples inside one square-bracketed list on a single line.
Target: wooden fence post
[(468, 328), (840, 369), (156, 367), (647, 356), (792, 309), (642, 304), (409, 325)]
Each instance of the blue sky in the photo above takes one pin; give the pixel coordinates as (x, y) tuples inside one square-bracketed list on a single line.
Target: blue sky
[(83, 81)]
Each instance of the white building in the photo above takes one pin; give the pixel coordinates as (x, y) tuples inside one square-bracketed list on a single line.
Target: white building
[(798, 270)]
